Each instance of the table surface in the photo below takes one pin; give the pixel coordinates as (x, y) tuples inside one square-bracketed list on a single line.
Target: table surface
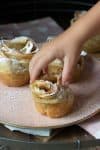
[(39, 30)]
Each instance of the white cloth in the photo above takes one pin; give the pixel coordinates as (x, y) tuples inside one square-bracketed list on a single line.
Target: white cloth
[(39, 132)]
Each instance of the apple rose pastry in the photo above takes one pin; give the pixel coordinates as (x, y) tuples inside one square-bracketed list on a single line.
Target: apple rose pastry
[(52, 99), (15, 55), (55, 69)]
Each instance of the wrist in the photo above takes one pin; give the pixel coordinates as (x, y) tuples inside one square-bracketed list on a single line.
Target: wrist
[(77, 35)]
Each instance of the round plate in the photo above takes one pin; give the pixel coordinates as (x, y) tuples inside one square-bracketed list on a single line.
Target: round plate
[(17, 106)]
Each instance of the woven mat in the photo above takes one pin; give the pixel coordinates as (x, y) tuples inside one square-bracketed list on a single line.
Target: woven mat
[(17, 107)]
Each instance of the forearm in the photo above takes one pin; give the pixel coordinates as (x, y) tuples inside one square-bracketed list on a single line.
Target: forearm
[(88, 25)]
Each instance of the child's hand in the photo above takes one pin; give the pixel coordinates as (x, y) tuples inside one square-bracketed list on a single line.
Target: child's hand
[(67, 46), (64, 47)]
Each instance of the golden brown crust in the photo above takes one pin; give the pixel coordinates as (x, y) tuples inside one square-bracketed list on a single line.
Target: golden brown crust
[(14, 80), (51, 99), (55, 110)]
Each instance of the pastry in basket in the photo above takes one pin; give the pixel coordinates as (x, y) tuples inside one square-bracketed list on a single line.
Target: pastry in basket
[(52, 99), (93, 44), (15, 55)]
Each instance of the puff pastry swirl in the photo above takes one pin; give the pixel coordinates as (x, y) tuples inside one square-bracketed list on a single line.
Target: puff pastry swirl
[(15, 55), (52, 99)]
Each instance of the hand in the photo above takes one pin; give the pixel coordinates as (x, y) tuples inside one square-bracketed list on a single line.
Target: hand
[(67, 46), (64, 47)]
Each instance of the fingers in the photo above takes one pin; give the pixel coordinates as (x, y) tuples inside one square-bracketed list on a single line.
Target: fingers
[(69, 65), (38, 63)]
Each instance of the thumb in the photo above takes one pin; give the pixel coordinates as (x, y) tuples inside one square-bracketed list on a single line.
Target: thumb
[(68, 69)]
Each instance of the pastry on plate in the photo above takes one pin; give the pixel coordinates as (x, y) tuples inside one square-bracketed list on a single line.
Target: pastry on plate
[(52, 99), (55, 69), (15, 55)]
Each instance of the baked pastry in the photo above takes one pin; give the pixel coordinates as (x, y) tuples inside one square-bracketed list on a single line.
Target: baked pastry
[(93, 44), (15, 55), (55, 70), (52, 99)]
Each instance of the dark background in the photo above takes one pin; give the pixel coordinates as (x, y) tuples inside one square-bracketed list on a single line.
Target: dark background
[(24, 10)]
